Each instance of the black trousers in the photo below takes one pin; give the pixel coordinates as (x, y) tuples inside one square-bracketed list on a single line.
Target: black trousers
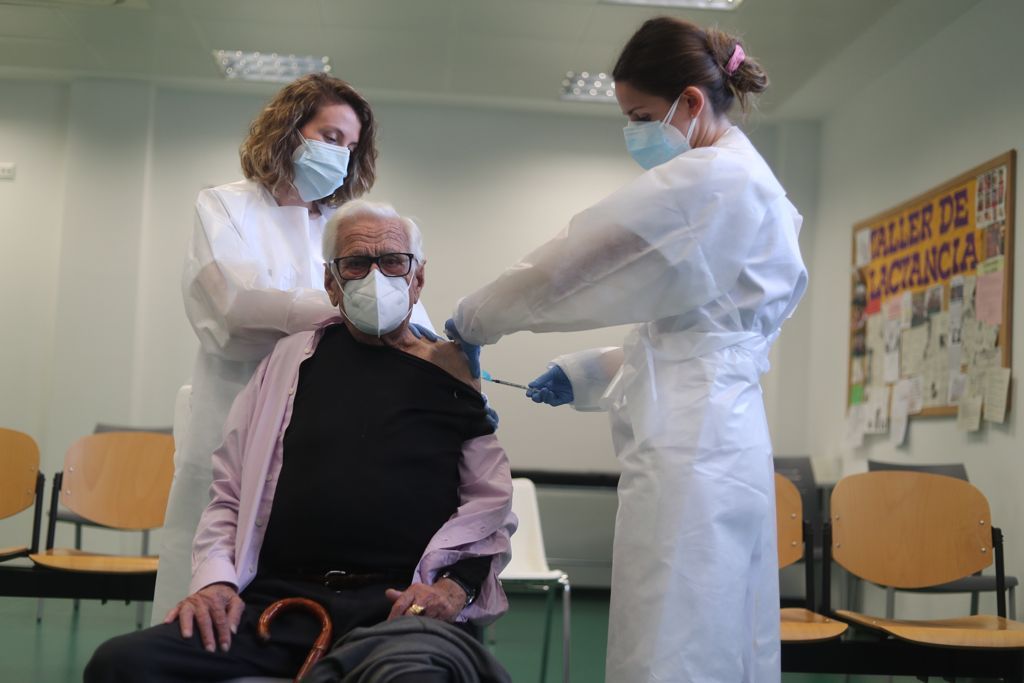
[(160, 654)]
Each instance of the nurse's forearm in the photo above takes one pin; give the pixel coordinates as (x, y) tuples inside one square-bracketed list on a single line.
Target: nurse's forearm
[(243, 323)]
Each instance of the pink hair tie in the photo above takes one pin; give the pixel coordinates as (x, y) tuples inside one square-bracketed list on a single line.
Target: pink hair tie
[(738, 55)]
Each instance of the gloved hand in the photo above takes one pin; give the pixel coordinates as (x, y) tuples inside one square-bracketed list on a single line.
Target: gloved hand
[(492, 414), (553, 388), (471, 350), (421, 332)]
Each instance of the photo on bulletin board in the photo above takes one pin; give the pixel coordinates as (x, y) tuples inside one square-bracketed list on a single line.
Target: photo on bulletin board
[(932, 297)]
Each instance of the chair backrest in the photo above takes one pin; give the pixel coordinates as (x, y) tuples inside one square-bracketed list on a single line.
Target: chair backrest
[(956, 470), (119, 479), (19, 469), (789, 521), (798, 469), (528, 554), (910, 529)]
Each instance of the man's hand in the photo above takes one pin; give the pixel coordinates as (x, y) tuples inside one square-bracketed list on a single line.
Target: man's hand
[(216, 607), (444, 600)]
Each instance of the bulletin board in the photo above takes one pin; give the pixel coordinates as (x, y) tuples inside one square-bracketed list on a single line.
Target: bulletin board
[(932, 298)]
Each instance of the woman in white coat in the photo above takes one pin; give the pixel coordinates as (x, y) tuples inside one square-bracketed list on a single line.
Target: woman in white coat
[(254, 274), (701, 252)]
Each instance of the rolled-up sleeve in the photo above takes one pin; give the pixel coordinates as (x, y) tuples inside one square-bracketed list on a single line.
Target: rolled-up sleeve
[(590, 372), (481, 527)]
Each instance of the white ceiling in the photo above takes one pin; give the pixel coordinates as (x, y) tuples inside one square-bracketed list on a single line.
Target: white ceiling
[(512, 52)]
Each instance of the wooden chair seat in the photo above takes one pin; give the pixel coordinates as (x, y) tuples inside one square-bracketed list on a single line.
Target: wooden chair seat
[(797, 624), (980, 630), (804, 626), (13, 551), (67, 559)]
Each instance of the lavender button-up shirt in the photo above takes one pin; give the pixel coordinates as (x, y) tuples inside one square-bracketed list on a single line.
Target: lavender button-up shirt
[(247, 465)]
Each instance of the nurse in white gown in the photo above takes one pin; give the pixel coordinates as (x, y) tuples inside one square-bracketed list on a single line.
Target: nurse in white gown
[(701, 253), (254, 274)]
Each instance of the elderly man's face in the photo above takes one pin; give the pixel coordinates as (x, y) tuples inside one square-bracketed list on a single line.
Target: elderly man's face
[(371, 236)]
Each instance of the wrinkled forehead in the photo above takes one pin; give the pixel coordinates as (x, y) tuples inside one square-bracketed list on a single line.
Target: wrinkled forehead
[(371, 236)]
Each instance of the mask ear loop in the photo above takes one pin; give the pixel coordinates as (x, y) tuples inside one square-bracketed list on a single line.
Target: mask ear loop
[(672, 111), (303, 144), (341, 287), (412, 272), (689, 131)]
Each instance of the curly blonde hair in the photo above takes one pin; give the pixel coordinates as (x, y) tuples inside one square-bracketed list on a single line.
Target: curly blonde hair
[(266, 153)]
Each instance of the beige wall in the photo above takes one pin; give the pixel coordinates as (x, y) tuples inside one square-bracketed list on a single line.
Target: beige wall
[(954, 103)]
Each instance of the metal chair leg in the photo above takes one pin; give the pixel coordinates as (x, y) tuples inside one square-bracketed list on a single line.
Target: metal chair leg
[(140, 609), (890, 611), (566, 627), (974, 603), (39, 611), (546, 646), (78, 546), (853, 593)]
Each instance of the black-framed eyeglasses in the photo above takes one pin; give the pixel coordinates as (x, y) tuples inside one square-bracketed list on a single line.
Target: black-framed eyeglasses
[(395, 264)]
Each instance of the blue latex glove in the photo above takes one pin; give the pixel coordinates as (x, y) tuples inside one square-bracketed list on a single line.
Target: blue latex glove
[(553, 388), (471, 350), (492, 415), (421, 332)]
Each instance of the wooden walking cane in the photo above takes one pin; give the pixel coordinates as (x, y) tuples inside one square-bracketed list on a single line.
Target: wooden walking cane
[(323, 641)]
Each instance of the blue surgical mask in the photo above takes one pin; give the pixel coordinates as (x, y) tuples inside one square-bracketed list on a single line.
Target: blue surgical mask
[(652, 143), (320, 169)]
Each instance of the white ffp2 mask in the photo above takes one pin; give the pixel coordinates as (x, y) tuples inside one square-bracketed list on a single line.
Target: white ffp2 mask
[(376, 304)]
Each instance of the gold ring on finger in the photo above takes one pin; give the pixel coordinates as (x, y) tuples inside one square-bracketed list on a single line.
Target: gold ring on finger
[(416, 610)]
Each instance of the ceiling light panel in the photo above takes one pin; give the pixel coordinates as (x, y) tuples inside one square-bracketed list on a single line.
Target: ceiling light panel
[(268, 66), (587, 86), (722, 5)]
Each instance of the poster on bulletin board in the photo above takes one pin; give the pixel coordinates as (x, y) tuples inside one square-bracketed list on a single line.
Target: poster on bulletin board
[(932, 302)]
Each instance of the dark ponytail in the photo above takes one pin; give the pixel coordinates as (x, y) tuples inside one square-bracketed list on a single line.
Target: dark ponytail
[(667, 55)]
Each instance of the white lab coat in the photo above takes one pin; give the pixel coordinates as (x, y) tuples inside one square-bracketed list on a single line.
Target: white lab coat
[(253, 274), (702, 252)]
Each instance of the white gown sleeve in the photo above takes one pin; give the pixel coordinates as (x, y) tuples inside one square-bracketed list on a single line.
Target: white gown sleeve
[(590, 372), (235, 309), (671, 241)]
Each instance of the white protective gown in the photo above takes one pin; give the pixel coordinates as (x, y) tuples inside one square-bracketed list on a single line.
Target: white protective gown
[(702, 253), (253, 274)]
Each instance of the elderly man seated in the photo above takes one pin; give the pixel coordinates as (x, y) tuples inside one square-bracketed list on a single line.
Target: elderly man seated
[(358, 469)]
